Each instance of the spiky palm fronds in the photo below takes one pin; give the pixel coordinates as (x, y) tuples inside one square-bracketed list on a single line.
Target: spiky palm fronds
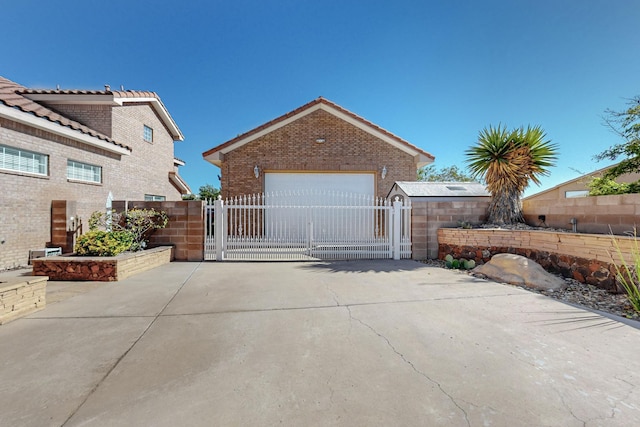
[(507, 161)]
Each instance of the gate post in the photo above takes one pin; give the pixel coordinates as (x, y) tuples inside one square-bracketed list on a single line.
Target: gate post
[(396, 233), (219, 228)]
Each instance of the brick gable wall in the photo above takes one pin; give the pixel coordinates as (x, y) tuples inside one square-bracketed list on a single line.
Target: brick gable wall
[(96, 117), (293, 148)]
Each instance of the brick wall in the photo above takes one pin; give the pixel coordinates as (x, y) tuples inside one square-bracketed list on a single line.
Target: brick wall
[(293, 148), (97, 117), (25, 205), (594, 214)]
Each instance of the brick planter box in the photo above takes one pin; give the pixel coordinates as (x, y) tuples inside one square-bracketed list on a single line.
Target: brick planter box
[(102, 269), (21, 296)]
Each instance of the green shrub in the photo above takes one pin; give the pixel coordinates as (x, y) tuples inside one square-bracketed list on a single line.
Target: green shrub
[(628, 275), (139, 223), (103, 243)]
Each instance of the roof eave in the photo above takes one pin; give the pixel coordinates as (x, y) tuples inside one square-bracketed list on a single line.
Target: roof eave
[(179, 183), (29, 119), (160, 109), (215, 158)]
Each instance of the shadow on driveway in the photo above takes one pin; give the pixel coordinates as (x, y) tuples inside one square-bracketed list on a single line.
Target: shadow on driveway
[(365, 266)]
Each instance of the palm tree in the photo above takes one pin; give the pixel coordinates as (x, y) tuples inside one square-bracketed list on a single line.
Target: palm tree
[(506, 161)]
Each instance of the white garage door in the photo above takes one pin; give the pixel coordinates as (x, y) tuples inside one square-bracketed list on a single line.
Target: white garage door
[(356, 183), (291, 197)]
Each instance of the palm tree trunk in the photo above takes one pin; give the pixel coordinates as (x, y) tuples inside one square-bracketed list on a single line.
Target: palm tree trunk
[(505, 208)]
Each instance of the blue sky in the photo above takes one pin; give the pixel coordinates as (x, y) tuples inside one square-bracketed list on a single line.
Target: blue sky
[(432, 72)]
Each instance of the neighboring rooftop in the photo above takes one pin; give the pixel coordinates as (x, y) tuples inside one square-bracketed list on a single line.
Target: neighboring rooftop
[(441, 189)]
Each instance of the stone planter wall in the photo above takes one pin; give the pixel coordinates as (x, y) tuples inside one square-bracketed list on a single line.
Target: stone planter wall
[(21, 296), (584, 257), (103, 269)]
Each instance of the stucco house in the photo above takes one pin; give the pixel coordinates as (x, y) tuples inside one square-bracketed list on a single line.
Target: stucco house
[(78, 146), (319, 145)]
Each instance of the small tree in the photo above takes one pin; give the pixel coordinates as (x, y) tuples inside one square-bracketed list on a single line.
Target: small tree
[(507, 161), (625, 124), (208, 192), (445, 174)]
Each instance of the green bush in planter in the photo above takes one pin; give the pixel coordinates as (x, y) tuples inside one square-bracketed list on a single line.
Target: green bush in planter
[(103, 243)]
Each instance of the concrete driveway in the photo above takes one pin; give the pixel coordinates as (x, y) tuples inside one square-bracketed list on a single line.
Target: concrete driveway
[(341, 343)]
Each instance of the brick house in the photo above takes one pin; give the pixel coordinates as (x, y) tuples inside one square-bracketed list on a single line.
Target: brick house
[(78, 146), (318, 145)]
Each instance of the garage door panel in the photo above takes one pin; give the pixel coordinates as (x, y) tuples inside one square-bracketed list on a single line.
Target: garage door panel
[(359, 183)]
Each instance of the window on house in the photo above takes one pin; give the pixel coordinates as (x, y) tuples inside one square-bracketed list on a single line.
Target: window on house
[(148, 134), (576, 193), (78, 171), (14, 159), (154, 198)]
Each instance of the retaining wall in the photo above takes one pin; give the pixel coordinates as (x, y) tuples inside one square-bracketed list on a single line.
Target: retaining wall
[(588, 258), (21, 296)]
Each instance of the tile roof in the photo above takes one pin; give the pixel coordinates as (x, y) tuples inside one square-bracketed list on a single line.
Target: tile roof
[(319, 100), (11, 96), (107, 91)]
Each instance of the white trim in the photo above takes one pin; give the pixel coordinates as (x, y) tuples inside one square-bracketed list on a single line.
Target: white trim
[(29, 119), (179, 183), (160, 109), (420, 159)]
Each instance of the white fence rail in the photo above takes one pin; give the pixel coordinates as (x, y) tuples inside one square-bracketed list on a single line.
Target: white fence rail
[(306, 226)]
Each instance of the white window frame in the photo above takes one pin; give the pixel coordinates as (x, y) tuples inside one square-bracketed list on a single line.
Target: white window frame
[(574, 194), (154, 198), (83, 172), (147, 133), (19, 160)]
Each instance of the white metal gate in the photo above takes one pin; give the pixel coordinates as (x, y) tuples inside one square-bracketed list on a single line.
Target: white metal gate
[(307, 225)]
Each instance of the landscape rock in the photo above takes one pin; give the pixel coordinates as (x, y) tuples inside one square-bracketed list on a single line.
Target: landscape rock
[(520, 271)]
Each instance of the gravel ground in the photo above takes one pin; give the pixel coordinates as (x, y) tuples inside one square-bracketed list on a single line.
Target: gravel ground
[(581, 294)]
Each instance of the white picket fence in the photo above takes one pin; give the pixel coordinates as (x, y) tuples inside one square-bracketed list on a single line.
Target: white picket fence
[(307, 225)]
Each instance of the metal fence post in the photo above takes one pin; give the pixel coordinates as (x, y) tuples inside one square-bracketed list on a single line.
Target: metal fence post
[(219, 228), (396, 234)]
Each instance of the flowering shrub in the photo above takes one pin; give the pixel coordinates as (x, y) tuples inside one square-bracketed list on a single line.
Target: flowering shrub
[(137, 224), (103, 243)]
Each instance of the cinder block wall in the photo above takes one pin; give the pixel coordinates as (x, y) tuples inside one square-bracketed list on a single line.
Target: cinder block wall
[(594, 214), (185, 229), (427, 217), (293, 148)]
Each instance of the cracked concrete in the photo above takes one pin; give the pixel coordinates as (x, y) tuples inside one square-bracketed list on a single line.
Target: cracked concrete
[(342, 343)]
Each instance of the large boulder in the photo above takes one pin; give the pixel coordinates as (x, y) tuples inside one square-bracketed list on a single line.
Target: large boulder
[(521, 271)]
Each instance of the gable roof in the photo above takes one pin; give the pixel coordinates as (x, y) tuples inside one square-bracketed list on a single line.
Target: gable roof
[(15, 106), (215, 154), (107, 96), (441, 189)]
